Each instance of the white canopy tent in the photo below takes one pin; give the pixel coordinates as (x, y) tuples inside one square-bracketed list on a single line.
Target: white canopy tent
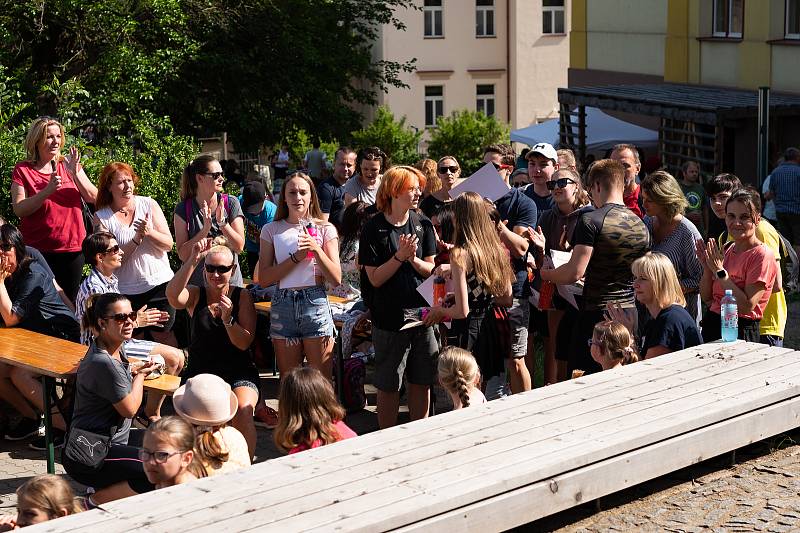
[(602, 132)]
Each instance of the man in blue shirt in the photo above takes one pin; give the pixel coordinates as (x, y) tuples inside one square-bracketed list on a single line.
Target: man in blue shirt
[(784, 189)]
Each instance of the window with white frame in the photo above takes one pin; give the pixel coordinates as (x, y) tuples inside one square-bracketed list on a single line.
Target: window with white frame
[(434, 104), (553, 16), (792, 19), (485, 99), (728, 18), (433, 13), (484, 18)]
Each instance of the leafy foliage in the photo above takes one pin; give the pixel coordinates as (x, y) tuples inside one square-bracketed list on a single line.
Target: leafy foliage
[(399, 141), (464, 134)]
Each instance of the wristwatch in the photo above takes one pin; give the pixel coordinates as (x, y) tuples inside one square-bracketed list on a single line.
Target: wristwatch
[(722, 274)]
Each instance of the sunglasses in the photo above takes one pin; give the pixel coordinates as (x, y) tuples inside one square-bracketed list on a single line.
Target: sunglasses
[(214, 175), (498, 166), (560, 183), (219, 269), (443, 170), (158, 457), (113, 250), (122, 317), (6, 246)]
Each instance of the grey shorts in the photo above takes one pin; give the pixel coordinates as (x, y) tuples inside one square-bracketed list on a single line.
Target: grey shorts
[(414, 351), (519, 316)]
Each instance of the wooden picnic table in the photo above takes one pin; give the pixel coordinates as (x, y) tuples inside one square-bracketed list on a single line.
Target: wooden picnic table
[(53, 359), (264, 307), (497, 465)]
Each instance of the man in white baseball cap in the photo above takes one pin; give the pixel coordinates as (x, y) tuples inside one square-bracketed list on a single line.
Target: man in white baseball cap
[(542, 164)]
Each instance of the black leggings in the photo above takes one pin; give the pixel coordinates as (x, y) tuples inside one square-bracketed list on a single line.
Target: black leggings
[(67, 268), (121, 464)]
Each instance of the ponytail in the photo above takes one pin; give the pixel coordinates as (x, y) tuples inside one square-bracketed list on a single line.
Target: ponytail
[(189, 180), (208, 448), (96, 308), (616, 342)]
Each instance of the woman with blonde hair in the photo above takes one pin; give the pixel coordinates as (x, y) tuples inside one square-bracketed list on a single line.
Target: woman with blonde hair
[(448, 173), (570, 202), (656, 287), (672, 233), (482, 278), (223, 325), (47, 194), (432, 182), (396, 250), (41, 498)]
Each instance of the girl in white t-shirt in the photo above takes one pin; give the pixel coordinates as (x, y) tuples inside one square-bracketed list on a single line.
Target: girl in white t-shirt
[(460, 376), (300, 252)]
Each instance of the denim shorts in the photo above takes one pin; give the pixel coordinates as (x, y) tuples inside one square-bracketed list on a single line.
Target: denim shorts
[(300, 314)]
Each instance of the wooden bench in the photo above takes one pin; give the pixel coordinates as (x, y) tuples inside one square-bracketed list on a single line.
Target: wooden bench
[(53, 359), (498, 465)]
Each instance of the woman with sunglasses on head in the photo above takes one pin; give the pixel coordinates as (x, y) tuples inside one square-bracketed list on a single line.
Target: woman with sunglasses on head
[(555, 233), (108, 394), (449, 172), (141, 230), (205, 211), (223, 325), (29, 299), (105, 257), (746, 267), (46, 193)]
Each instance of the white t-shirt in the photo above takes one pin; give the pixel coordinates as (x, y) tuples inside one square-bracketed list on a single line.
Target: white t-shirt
[(283, 237)]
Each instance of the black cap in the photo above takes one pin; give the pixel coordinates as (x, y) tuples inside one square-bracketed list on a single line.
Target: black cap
[(253, 193)]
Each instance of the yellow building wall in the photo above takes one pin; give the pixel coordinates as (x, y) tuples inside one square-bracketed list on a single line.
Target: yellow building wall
[(577, 35), (676, 52), (785, 71)]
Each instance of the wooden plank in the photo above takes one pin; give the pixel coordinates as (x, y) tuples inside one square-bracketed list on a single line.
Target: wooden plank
[(344, 476), (164, 383), (600, 479), (264, 307), (40, 353), (444, 432)]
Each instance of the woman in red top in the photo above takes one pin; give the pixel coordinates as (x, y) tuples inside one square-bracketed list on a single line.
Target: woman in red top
[(46, 192), (746, 267)]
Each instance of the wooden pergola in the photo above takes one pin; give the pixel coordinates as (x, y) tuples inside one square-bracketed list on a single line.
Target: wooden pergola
[(693, 117)]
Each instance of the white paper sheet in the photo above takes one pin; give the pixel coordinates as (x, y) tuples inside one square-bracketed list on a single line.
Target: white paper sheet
[(426, 290), (486, 181), (302, 275), (568, 292)]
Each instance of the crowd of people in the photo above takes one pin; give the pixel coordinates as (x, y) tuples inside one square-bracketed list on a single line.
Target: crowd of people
[(605, 266)]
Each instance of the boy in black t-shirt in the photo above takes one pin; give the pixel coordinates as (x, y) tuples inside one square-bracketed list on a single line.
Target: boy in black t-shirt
[(396, 251), (606, 242)]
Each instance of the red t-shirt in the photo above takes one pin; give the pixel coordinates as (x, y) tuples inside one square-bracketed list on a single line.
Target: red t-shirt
[(749, 267), (341, 428), (57, 226), (632, 201)]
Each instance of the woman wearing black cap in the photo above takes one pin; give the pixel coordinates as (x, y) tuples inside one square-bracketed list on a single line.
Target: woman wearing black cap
[(258, 211)]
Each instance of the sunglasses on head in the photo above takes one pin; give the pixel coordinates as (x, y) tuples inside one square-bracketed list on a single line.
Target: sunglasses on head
[(560, 183), (498, 166), (219, 269), (518, 184), (443, 170), (122, 317), (113, 250)]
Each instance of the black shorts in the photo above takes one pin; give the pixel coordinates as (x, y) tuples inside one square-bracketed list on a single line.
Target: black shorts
[(537, 322), (154, 298), (122, 464)]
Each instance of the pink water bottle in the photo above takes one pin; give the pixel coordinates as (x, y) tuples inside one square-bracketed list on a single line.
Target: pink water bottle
[(311, 229)]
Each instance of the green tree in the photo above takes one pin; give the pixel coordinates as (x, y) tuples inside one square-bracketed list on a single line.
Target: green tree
[(399, 141), (464, 134)]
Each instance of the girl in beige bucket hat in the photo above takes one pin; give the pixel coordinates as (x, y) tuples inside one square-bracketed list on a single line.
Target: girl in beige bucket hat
[(208, 403)]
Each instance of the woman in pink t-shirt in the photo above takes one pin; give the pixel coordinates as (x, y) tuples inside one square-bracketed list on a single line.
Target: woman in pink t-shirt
[(745, 266), (310, 416), (46, 192)]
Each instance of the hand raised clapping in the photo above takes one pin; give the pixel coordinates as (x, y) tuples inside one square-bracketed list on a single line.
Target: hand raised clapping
[(200, 250), (407, 247)]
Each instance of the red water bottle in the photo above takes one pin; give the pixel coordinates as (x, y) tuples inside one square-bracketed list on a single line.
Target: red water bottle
[(439, 291), (546, 295)]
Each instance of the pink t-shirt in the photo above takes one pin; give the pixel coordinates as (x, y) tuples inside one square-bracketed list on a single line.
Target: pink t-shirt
[(341, 428), (749, 267), (57, 226), (284, 236)]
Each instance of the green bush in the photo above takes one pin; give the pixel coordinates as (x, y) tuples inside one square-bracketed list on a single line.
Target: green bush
[(399, 141), (464, 134)]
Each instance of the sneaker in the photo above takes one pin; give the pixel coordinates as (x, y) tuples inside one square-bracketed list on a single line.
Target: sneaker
[(26, 428), (265, 416), (39, 442)]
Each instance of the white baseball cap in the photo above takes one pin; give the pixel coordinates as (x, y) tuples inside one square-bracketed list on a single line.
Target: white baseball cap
[(545, 149)]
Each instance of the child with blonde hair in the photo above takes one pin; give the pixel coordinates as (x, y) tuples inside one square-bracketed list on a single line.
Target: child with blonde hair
[(310, 415), (40, 499), (460, 376), (168, 454), (612, 345)]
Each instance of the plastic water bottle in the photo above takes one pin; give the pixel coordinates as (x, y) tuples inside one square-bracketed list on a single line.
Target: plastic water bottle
[(730, 317)]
